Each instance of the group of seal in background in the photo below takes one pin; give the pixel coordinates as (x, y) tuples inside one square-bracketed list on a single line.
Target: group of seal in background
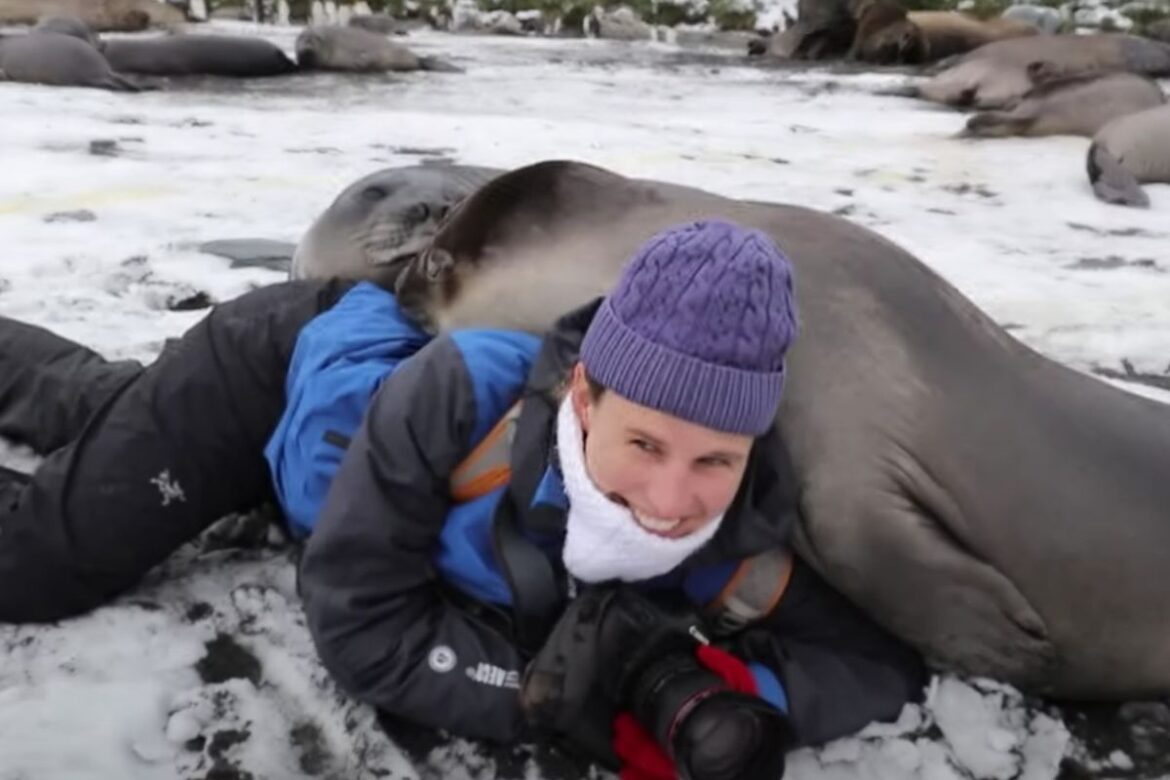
[(923, 434), (67, 51), (100, 15), (884, 32), (1095, 86), (1024, 78)]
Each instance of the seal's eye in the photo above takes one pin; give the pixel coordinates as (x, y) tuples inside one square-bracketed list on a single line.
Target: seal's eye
[(374, 192), (418, 212)]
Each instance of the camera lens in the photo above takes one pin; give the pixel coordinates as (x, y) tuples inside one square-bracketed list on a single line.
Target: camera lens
[(716, 741)]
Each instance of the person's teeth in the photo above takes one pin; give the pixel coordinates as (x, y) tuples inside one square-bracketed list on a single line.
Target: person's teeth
[(657, 524)]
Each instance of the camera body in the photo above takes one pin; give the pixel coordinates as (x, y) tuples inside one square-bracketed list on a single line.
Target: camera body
[(710, 730), (615, 649)]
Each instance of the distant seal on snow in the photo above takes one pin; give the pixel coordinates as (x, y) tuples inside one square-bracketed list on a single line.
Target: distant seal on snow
[(327, 47), (101, 15), (381, 221), (999, 74), (60, 61), (69, 25), (1007, 514), (871, 16), (1130, 150), (930, 36), (188, 55), (1077, 105)]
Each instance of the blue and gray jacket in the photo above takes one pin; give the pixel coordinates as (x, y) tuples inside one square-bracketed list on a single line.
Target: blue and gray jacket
[(405, 594)]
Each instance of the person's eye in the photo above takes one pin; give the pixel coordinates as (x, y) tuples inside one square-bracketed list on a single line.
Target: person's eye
[(715, 461), (643, 445)]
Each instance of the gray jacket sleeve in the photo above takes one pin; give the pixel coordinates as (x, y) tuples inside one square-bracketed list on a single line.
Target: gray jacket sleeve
[(373, 601), (839, 669)]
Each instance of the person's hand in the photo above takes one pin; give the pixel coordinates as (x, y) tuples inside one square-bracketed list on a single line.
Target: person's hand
[(642, 758)]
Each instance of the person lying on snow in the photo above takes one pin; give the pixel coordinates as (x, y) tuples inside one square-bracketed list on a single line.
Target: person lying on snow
[(580, 538)]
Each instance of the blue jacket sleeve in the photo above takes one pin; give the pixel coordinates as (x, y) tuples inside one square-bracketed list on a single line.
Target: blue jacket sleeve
[(383, 622)]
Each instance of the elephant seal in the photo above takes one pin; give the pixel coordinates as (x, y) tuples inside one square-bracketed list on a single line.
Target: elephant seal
[(1004, 513), (330, 47), (69, 25), (101, 15), (930, 36), (870, 17), (206, 55), (999, 74), (60, 61), (1077, 105), (1129, 150), (381, 221)]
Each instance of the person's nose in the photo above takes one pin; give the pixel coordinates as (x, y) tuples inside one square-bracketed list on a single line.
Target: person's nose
[(668, 494)]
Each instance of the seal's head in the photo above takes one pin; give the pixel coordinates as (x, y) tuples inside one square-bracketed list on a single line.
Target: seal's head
[(377, 225), (308, 45)]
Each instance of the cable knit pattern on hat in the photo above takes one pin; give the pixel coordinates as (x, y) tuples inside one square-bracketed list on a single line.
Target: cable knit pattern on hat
[(698, 327)]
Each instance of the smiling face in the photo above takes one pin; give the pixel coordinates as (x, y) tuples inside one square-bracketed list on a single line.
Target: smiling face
[(673, 475)]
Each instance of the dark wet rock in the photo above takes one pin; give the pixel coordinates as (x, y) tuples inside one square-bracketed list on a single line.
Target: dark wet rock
[(252, 252), (1129, 374), (104, 147), (965, 189), (193, 302), (1115, 740), (227, 659), (1119, 232), (196, 745), (421, 151), (223, 740), (80, 215), (432, 751), (311, 750), (843, 191), (225, 771), (1110, 262), (198, 611)]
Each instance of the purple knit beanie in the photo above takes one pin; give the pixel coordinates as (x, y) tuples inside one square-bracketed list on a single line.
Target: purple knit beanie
[(698, 327)]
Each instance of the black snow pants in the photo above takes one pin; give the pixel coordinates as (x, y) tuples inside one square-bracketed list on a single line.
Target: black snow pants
[(139, 460)]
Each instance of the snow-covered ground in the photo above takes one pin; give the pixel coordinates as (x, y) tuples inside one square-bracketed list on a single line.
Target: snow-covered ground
[(206, 671)]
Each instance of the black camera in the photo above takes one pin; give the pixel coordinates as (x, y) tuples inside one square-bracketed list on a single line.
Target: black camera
[(711, 731), (616, 647)]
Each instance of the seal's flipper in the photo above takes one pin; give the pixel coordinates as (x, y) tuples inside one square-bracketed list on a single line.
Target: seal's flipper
[(438, 65), (119, 83), (1111, 181), (995, 124), (939, 594)]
